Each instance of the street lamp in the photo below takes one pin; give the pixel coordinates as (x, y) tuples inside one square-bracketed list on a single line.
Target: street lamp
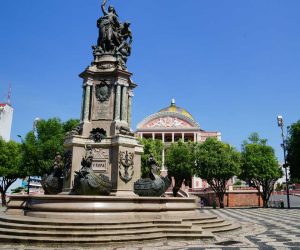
[(285, 165)]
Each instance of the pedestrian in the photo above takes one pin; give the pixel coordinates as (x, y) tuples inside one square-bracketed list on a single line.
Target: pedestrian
[(202, 203)]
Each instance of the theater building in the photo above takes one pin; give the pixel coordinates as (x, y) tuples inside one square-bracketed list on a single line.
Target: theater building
[(170, 125)]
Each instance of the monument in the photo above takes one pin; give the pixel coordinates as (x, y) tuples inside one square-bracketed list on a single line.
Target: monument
[(102, 170), (106, 110)]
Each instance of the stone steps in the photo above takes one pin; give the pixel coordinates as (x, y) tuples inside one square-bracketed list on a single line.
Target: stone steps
[(98, 240), (14, 225), (39, 231), (223, 229), (210, 221), (216, 225), (95, 234), (67, 222)]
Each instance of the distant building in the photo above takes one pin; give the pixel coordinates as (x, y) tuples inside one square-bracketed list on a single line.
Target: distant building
[(35, 185), (170, 125), (6, 117)]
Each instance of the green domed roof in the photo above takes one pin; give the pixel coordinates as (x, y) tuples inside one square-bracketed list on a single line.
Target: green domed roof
[(175, 109)]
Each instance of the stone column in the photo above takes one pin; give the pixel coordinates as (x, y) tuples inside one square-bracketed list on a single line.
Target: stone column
[(82, 104), (173, 138), (118, 102), (182, 136), (130, 95), (163, 159), (124, 105), (153, 136), (199, 137), (87, 102), (195, 137)]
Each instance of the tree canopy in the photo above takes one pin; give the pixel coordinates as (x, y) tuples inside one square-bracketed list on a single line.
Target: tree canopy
[(151, 148), (39, 149), (260, 167), (293, 151), (10, 166), (180, 162), (216, 162)]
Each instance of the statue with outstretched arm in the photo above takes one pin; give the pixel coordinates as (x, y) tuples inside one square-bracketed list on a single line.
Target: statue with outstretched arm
[(108, 26), (103, 7)]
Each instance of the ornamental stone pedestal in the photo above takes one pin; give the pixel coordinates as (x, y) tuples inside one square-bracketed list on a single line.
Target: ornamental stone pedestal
[(105, 127)]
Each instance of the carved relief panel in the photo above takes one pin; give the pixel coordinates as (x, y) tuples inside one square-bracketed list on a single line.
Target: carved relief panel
[(167, 122), (100, 162), (103, 100)]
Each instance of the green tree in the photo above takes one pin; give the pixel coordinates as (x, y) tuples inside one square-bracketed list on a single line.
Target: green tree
[(179, 161), (259, 166), (151, 147), (293, 151), (10, 166), (39, 149), (279, 187), (217, 162)]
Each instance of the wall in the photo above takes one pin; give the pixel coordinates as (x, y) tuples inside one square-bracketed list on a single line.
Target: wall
[(247, 198)]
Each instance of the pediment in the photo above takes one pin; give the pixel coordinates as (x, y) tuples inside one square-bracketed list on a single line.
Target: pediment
[(167, 122)]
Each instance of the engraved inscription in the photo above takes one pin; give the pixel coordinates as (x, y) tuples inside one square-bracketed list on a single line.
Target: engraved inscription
[(99, 166)]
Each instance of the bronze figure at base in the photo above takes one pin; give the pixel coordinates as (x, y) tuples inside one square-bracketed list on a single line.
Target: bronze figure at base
[(155, 185), (87, 182)]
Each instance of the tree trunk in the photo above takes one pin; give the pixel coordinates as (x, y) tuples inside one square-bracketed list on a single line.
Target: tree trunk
[(265, 202), (3, 198), (221, 199)]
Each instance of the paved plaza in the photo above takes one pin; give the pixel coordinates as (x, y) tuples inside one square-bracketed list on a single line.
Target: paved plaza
[(260, 229)]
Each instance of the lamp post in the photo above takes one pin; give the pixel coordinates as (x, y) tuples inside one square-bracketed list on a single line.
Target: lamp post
[(285, 165)]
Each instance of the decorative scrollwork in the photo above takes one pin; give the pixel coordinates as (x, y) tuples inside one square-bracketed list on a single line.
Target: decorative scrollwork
[(124, 130), (126, 165), (98, 134), (103, 91)]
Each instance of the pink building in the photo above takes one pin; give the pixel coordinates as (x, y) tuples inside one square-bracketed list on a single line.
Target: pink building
[(170, 125)]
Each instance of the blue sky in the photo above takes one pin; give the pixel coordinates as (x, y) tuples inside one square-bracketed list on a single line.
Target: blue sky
[(233, 64)]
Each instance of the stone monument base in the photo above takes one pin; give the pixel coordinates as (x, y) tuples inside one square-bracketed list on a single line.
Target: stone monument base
[(95, 221), (101, 207)]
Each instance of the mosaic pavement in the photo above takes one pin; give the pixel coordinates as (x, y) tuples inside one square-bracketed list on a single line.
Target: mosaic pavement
[(261, 229)]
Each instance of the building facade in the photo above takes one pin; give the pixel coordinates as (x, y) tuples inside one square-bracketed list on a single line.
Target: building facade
[(6, 117), (170, 125)]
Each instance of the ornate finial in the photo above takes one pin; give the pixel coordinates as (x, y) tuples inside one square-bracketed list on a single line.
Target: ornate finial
[(173, 102)]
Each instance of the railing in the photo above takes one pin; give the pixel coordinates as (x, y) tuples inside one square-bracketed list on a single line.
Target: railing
[(292, 192)]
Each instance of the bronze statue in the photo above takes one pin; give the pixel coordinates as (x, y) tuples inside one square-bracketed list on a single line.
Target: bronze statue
[(87, 182), (53, 183), (114, 37), (155, 185), (108, 28)]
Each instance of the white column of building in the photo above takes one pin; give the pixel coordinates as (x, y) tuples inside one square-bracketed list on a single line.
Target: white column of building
[(173, 139), (163, 151), (153, 136), (163, 159), (118, 102), (124, 105), (199, 137), (195, 137), (87, 101), (182, 136)]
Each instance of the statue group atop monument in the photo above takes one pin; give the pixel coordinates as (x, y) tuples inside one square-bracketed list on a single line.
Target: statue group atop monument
[(114, 37)]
